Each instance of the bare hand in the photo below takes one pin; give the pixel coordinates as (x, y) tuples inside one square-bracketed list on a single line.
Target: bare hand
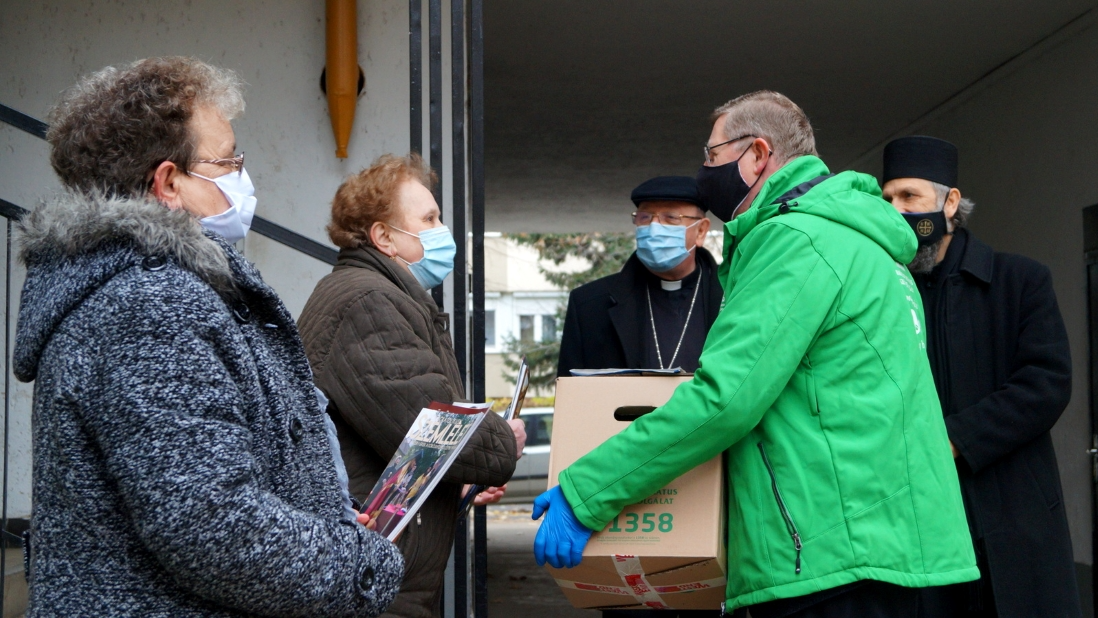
[(365, 520), (519, 427), (956, 453), (370, 524), (490, 495)]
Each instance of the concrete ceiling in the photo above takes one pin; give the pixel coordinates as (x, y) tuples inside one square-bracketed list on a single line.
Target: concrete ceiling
[(585, 99)]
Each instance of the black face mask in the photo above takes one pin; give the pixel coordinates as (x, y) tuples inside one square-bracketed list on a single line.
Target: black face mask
[(929, 227), (722, 188)]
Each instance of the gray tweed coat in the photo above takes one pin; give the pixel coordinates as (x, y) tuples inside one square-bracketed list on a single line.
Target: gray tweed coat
[(181, 466)]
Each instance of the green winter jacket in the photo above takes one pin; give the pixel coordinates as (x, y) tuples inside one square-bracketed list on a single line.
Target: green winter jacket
[(815, 380)]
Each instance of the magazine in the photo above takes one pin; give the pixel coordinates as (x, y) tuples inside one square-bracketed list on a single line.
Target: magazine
[(427, 451), (522, 383)]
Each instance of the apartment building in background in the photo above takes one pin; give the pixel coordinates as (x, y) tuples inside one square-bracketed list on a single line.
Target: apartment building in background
[(519, 303)]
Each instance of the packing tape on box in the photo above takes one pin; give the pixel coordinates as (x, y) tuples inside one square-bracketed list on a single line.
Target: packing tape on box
[(637, 586)]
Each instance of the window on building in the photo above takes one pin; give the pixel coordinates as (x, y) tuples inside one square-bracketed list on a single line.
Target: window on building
[(526, 328), (490, 328), (548, 328)]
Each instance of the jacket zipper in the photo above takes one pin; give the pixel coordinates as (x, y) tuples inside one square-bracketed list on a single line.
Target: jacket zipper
[(790, 525)]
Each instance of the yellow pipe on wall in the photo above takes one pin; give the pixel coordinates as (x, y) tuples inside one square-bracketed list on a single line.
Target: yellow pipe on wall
[(342, 69)]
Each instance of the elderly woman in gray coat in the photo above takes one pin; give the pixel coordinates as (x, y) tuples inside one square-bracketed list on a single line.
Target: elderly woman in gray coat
[(181, 462)]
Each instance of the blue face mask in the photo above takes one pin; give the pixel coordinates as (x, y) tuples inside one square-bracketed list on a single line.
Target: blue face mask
[(662, 247), (439, 250)]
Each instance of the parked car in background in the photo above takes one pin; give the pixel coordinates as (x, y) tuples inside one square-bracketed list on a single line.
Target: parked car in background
[(531, 476)]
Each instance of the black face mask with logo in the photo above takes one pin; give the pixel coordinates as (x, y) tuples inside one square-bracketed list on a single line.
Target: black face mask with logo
[(929, 227)]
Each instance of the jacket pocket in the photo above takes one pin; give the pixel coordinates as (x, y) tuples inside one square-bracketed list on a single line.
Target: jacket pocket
[(1045, 485), (787, 517), (810, 389)]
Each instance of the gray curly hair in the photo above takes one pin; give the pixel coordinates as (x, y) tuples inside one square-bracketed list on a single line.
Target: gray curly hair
[(111, 130)]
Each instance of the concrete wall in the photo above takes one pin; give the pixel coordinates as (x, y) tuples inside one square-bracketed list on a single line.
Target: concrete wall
[(1028, 159), (277, 47)]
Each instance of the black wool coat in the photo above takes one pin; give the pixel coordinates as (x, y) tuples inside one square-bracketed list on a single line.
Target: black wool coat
[(607, 319), (1006, 382)]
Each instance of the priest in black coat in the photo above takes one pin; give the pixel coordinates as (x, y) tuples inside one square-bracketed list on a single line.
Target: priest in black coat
[(655, 312), (999, 354)]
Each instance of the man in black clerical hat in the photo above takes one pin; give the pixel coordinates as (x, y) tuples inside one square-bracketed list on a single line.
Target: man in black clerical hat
[(658, 309), (999, 354)]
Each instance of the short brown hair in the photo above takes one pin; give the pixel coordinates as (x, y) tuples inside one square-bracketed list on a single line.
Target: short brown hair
[(115, 126), (371, 196), (773, 117)]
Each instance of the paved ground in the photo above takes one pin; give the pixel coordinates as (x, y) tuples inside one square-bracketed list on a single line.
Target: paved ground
[(517, 586)]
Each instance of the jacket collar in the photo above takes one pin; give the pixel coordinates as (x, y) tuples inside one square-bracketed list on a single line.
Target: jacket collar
[(372, 259), (765, 206), (75, 244), (626, 314), (979, 258), (793, 173)]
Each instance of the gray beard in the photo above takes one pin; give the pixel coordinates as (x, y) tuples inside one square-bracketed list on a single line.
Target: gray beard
[(926, 258)]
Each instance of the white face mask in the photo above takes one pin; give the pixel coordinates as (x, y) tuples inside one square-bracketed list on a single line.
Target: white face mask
[(235, 222)]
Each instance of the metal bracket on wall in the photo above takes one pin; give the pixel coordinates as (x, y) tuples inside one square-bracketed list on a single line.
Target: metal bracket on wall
[(22, 121), (1093, 452)]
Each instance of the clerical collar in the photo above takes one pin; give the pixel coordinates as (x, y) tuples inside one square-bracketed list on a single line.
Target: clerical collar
[(687, 282)]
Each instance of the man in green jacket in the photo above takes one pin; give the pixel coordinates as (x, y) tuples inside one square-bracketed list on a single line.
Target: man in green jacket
[(843, 498)]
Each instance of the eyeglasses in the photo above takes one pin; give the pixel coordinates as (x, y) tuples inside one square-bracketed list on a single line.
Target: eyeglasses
[(709, 149), (641, 219), (235, 164)]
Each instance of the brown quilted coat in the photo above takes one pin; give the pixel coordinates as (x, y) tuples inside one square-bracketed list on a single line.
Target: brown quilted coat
[(381, 351)]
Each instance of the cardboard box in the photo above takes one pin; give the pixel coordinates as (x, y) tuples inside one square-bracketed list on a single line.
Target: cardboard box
[(668, 551)]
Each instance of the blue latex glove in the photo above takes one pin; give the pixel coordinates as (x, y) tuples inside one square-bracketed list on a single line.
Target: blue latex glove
[(561, 537)]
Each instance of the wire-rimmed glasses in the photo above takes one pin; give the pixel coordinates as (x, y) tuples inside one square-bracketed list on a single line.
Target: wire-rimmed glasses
[(709, 149), (235, 164), (641, 219)]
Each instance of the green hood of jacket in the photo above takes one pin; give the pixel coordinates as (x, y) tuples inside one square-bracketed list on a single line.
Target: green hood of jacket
[(815, 382)]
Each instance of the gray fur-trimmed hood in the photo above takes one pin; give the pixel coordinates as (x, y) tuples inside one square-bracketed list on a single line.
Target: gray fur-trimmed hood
[(74, 244), (74, 224)]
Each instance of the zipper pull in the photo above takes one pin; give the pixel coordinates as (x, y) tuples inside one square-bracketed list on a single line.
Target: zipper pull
[(419, 522), (797, 545)]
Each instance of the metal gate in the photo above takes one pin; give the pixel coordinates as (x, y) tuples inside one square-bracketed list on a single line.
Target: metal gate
[(1088, 586), (466, 218)]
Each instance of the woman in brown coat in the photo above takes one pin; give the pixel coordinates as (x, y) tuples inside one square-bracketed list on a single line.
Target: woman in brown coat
[(381, 350)]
